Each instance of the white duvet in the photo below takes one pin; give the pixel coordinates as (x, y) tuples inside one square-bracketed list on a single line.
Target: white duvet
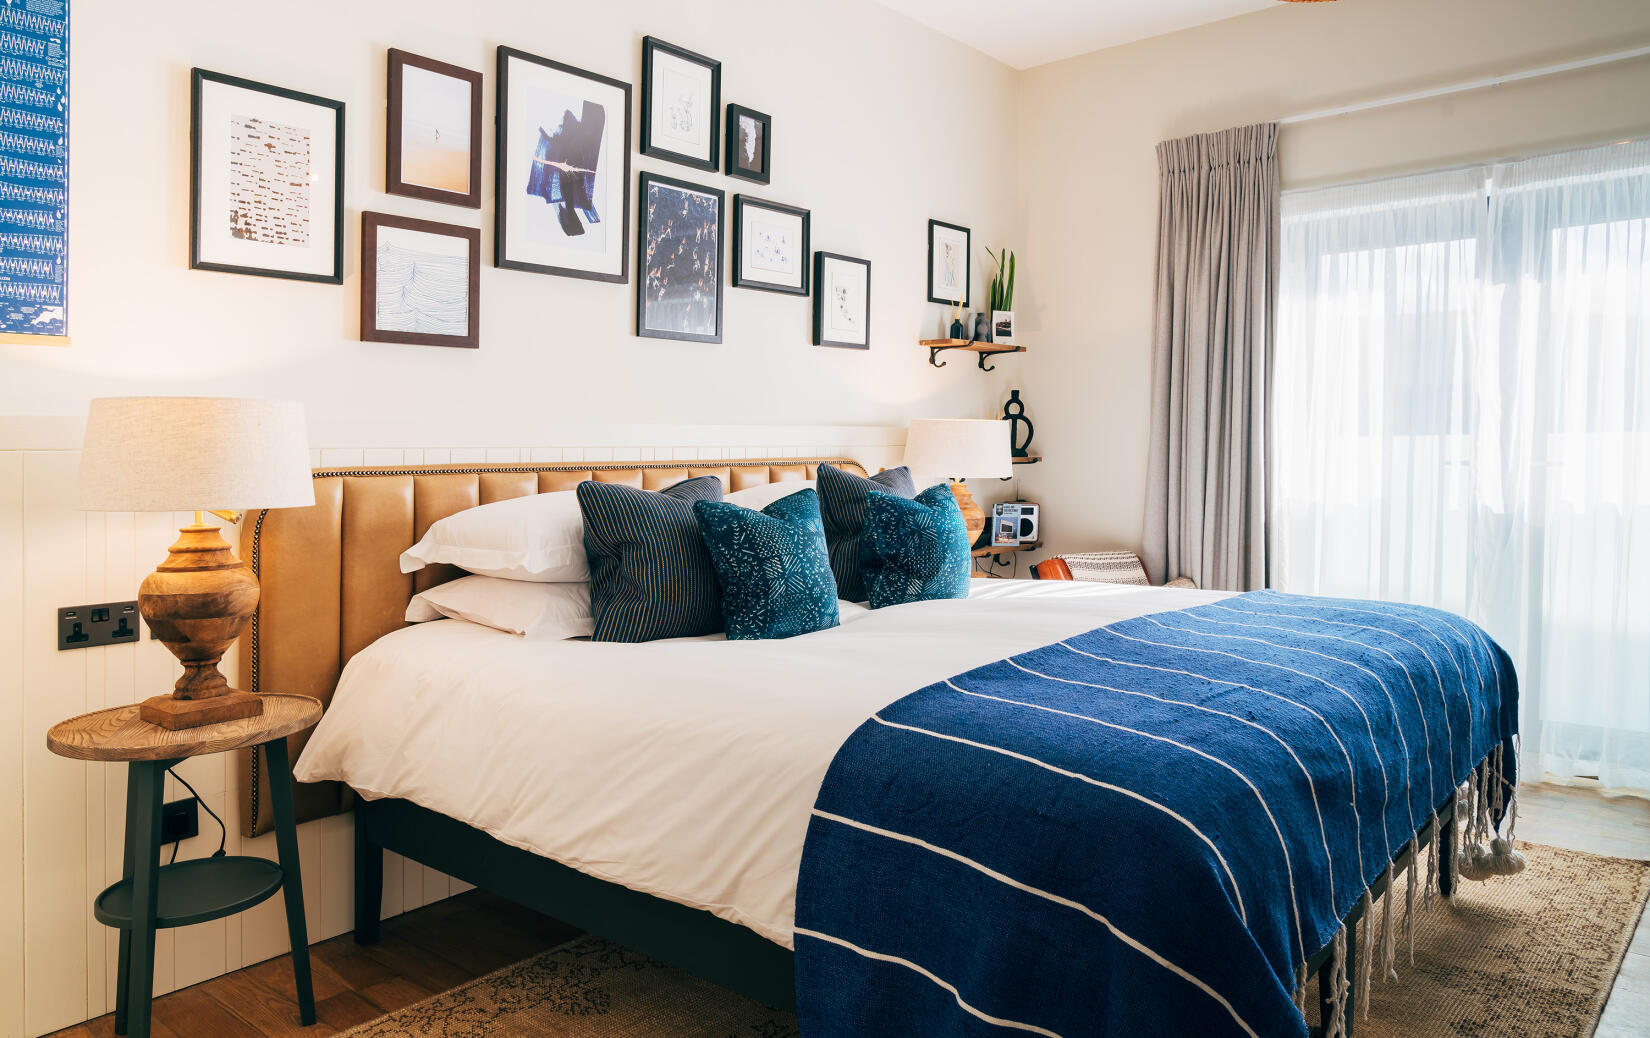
[(685, 768)]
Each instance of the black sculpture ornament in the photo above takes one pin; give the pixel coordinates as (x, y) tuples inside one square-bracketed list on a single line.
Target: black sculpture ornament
[(1014, 412)]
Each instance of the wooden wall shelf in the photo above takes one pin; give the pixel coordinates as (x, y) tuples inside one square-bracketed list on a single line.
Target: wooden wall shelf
[(984, 349), (1004, 549)]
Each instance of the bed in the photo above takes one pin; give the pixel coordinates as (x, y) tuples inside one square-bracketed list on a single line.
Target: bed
[(658, 794)]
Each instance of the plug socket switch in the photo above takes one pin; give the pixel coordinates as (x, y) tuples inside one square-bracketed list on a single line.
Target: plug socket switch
[(180, 820), (109, 623)]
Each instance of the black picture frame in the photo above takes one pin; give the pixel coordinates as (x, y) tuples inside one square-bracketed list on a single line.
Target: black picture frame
[(371, 225), (502, 164), (731, 165), (644, 268), (822, 260), (199, 79), (395, 182), (742, 278), (968, 262), (655, 51)]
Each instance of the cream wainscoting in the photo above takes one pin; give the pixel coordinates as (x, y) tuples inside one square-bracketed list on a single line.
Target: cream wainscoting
[(61, 821)]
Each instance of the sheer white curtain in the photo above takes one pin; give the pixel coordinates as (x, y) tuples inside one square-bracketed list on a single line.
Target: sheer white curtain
[(1462, 419)]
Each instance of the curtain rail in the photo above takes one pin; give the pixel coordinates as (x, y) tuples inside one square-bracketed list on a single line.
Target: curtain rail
[(1476, 84)]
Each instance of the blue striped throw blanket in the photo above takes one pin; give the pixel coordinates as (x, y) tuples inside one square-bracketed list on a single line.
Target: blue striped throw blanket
[(1146, 829)]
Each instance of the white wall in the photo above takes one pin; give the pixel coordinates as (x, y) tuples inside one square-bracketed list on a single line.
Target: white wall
[(868, 109), (1088, 174)]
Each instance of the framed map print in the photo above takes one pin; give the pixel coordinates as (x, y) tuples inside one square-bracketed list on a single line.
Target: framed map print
[(842, 301), (681, 104), (266, 180), (562, 170)]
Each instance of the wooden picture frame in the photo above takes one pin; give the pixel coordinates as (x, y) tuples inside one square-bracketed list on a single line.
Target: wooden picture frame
[(409, 243), (252, 133), (753, 216), (536, 225), (940, 236), (427, 111), (670, 266), (842, 301), (742, 122), (686, 126)]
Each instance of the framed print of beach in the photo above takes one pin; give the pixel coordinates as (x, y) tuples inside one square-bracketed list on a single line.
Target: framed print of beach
[(681, 104), (770, 246), (434, 136), (562, 170), (750, 144), (679, 254), (420, 282), (266, 180), (948, 263), (842, 301)]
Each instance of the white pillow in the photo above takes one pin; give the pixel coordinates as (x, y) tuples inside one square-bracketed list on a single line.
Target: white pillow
[(759, 497), (529, 608), (539, 537)]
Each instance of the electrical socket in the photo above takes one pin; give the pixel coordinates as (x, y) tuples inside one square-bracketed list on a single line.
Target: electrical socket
[(180, 820), (87, 626)]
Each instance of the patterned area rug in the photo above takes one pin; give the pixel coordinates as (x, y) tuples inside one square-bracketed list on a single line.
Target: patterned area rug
[(1532, 956)]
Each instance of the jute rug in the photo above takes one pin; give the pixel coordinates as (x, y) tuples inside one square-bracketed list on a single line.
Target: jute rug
[(1533, 956)]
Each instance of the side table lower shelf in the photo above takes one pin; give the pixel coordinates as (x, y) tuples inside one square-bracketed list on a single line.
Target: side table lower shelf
[(195, 891)]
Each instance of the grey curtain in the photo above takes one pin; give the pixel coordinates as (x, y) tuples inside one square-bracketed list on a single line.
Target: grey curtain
[(1217, 277)]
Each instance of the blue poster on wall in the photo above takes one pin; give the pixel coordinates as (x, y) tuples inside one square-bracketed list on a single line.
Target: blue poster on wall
[(34, 169)]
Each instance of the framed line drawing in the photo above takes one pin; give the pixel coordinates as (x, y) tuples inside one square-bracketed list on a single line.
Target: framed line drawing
[(770, 245), (681, 104), (949, 252), (562, 170), (842, 301), (420, 282), (433, 137), (266, 180)]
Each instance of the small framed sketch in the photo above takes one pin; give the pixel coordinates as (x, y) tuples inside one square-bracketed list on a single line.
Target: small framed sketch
[(750, 143), (562, 170), (681, 104), (420, 282), (842, 301), (434, 138), (949, 249), (770, 246), (679, 253), (1002, 327), (266, 180)]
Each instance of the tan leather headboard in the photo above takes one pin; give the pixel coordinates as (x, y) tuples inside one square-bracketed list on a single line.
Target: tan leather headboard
[(332, 583)]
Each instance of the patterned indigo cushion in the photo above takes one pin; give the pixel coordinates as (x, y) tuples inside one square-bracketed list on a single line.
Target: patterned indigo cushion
[(842, 505), (650, 575), (914, 551), (772, 566)]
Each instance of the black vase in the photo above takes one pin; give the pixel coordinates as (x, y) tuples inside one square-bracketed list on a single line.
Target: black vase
[(957, 331)]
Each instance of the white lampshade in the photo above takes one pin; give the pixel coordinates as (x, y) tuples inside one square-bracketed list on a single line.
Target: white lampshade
[(958, 448), (184, 453)]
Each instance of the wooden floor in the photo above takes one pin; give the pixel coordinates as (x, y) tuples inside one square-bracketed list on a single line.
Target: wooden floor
[(452, 941)]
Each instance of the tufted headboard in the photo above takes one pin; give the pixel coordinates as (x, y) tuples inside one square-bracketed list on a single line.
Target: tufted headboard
[(332, 583)]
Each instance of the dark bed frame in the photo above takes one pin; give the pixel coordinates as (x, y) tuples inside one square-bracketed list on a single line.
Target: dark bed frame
[(690, 939)]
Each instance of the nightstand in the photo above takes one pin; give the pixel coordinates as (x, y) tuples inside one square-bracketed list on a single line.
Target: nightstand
[(151, 896)]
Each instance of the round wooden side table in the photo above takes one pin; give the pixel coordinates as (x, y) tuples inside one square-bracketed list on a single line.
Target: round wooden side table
[(151, 896)]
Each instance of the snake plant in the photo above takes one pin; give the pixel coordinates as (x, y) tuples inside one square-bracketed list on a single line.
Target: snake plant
[(1002, 284)]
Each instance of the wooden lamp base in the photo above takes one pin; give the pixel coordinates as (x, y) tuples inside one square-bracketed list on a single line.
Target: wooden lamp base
[(973, 515), (197, 603)]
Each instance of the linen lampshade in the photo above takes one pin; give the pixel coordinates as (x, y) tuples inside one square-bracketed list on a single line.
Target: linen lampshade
[(200, 454), (959, 448), (181, 453)]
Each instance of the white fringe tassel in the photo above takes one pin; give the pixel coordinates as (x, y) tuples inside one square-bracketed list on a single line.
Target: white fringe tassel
[(1482, 852), (1363, 969), (1335, 1026)]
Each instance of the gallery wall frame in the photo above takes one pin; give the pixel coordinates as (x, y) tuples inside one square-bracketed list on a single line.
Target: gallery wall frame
[(947, 243), (34, 176), (249, 142), (750, 144), (555, 193), (842, 301), (678, 260), (433, 135), (444, 309), (681, 104), (772, 266)]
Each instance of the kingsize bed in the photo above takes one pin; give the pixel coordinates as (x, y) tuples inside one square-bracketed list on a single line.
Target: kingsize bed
[(662, 794)]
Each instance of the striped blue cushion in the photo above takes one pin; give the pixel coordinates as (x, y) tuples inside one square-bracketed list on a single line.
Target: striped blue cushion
[(772, 567), (914, 551), (650, 575), (842, 506)]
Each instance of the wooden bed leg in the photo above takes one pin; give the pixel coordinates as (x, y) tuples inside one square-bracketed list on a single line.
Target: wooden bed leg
[(369, 879), (1446, 851)]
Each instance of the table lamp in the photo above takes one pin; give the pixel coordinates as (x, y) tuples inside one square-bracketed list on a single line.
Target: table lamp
[(958, 448), (177, 454)]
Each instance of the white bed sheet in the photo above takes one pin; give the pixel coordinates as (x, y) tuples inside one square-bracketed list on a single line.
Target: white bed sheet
[(684, 768)]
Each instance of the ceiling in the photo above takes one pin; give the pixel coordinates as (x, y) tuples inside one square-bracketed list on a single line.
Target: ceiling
[(1035, 32)]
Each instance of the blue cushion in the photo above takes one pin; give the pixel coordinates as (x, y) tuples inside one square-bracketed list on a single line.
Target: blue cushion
[(772, 566), (650, 575), (914, 551), (842, 505)]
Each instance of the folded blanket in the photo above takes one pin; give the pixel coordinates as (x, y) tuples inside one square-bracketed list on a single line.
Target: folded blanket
[(1143, 830)]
